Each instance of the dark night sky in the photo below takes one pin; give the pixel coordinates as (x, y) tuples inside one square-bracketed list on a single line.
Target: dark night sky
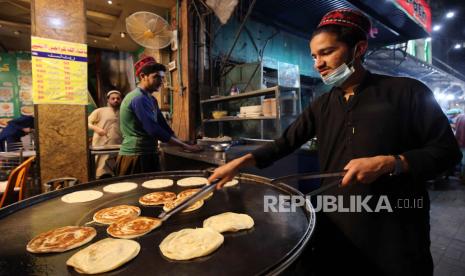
[(451, 33)]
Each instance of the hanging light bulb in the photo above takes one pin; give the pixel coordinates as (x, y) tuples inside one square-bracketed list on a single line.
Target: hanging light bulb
[(123, 35)]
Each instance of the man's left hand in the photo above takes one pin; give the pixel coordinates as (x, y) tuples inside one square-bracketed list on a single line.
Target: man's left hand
[(27, 130), (193, 148), (367, 170)]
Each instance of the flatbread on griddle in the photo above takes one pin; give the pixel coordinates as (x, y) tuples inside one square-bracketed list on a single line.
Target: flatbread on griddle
[(229, 222), (189, 192), (157, 198), (158, 183), (104, 255), (82, 196), (121, 187), (113, 214), (61, 239), (191, 243), (192, 181), (170, 205), (129, 228)]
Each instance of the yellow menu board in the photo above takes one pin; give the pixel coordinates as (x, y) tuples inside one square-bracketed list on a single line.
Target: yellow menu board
[(59, 71)]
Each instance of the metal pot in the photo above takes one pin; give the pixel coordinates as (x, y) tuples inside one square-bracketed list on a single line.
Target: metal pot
[(221, 147)]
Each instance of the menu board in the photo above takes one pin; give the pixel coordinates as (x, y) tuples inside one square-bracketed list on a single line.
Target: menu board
[(9, 103), (24, 75), (59, 70)]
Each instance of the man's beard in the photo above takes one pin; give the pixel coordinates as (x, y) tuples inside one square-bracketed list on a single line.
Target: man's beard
[(115, 106)]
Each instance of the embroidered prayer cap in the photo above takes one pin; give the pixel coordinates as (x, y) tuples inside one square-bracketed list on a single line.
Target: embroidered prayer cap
[(348, 18), (142, 63)]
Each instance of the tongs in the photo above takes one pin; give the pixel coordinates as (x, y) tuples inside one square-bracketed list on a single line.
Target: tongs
[(211, 187), (189, 201), (314, 175)]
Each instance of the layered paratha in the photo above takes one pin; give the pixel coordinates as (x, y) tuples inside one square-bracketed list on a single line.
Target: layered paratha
[(229, 222), (231, 183), (129, 228), (190, 243), (61, 239), (115, 213), (170, 205), (188, 193), (104, 255), (157, 198)]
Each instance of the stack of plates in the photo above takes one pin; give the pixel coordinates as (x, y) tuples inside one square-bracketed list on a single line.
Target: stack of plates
[(249, 115), (251, 111)]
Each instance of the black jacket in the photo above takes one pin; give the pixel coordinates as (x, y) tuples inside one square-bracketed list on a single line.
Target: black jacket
[(386, 116)]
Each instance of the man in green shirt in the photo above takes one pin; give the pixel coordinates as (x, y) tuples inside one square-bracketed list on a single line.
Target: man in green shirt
[(142, 123)]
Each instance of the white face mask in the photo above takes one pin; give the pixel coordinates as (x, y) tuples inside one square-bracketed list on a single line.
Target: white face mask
[(340, 74)]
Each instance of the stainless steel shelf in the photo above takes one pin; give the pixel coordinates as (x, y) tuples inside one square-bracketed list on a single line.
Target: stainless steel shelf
[(235, 118), (261, 92)]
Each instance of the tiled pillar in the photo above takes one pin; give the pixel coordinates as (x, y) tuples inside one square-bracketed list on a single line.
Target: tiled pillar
[(62, 129)]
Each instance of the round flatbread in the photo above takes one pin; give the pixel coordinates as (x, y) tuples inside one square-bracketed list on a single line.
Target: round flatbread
[(170, 205), (120, 187), (229, 222), (61, 239), (113, 214), (190, 243), (190, 192), (104, 255), (231, 183), (158, 183), (129, 228), (157, 198), (192, 181), (82, 196)]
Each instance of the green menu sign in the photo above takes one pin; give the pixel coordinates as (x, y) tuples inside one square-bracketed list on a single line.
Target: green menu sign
[(15, 86)]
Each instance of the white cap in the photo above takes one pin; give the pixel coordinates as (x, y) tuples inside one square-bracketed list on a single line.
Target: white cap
[(113, 92)]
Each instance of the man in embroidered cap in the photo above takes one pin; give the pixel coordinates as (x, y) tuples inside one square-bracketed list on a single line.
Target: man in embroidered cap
[(142, 123), (104, 121), (388, 134)]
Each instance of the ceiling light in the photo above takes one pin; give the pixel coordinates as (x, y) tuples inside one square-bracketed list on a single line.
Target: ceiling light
[(95, 40), (55, 22), (440, 96), (123, 35), (17, 32), (457, 46), (436, 28), (450, 14), (109, 2)]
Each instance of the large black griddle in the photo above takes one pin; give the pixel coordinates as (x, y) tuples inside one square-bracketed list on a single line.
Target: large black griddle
[(268, 248)]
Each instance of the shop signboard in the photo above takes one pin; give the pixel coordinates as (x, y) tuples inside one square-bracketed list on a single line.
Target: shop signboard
[(419, 10), (59, 72)]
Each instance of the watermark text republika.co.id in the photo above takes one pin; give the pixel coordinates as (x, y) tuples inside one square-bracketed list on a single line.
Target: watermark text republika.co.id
[(339, 203)]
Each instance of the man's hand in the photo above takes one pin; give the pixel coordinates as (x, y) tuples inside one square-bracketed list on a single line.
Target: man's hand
[(229, 170), (27, 130), (367, 170), (193, 148), (101, 131)]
